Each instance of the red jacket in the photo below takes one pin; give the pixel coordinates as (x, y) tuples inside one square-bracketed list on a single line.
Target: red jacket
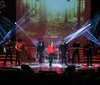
[(19, 45), (51, 49)]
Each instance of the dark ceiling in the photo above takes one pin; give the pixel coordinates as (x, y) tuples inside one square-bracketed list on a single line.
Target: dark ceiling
[(9, 10), (95, 6)]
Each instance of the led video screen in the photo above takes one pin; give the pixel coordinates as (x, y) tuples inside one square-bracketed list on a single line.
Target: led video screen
[(50, 20)]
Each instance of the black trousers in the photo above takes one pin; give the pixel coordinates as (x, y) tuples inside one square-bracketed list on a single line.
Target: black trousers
[(18, 54), (40, 57), (8, 52), (76, 53), (89, 58), (64, 58), (51, 56)]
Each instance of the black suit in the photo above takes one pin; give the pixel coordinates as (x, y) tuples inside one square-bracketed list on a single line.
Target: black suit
[(40, 50), (76, 52), (89, 52), (63, 48), (8, 47)]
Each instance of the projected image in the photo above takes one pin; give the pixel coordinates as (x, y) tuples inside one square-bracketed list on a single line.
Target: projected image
[(50, 19)]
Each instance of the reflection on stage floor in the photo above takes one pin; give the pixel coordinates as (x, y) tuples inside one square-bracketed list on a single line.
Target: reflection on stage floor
[(58, 67)]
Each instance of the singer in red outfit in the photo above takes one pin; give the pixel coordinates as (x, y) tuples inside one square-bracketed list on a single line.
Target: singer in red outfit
[(51, 52)]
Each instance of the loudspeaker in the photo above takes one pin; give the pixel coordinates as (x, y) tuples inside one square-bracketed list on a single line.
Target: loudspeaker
[(8, 73), (48, 73), (26, 68), (86, 70), (70, 68)]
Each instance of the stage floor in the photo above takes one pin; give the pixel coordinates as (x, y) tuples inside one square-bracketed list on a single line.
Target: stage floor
[(58, 67)]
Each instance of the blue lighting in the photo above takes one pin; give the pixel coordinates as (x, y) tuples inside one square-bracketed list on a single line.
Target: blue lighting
[(21, 21), (84, 30)]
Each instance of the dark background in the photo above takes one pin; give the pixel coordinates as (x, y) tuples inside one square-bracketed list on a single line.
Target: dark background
[(95, 7), (8, 12)]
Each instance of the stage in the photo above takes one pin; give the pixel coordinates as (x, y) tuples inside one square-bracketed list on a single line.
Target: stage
[(56, 66)]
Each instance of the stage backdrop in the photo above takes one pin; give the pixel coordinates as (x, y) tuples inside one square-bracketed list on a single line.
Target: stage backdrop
[(50, 20)]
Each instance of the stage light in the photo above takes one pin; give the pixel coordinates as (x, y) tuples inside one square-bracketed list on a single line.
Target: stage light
[(32, 40), (68, 0), (89, 34), (91, 37), (91, 23), (96, 22), (78, 33), (75, 34), (15, 27), (26, 14)]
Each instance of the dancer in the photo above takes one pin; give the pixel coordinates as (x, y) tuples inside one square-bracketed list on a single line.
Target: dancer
[(8, 51), (40, 51), (63, 49), (51, 52), (76, 47), (89, 53)]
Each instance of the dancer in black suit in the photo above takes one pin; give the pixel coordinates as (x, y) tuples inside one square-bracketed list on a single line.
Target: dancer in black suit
[(89, 53), (40, 51), (76, 47), (63, 49), (8, 51)]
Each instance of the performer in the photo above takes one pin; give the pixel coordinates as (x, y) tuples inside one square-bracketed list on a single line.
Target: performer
[(51, 51), (40, 51), (89, 48), (8, 51), (76, 47), (63, 49), (20, 49)]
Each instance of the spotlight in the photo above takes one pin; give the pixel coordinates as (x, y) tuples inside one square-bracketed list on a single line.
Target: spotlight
[(68, 0)]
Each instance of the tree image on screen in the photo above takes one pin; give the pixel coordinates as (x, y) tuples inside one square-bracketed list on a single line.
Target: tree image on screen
[(46, 19)]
